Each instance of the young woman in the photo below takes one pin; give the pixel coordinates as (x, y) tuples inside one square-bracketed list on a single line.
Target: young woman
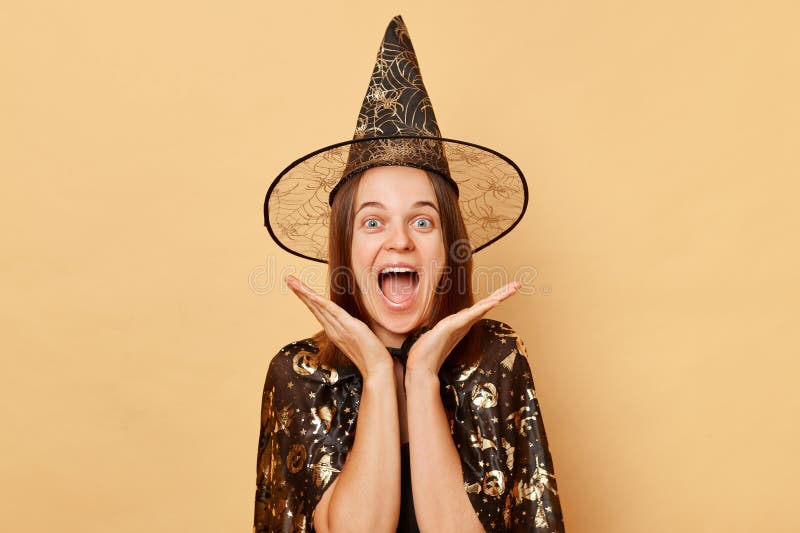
[(408, 411)]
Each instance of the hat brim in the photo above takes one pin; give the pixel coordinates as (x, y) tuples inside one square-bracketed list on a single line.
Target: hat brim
[(493, 193)]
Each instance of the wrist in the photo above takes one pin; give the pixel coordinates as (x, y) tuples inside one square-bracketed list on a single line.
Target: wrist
[(417, 378), (381, 373)]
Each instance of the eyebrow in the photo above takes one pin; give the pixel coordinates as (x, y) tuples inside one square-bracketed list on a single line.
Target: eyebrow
[(381, 206)]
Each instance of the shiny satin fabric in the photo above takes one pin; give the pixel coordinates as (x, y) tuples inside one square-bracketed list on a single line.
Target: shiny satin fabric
[(308, 420)]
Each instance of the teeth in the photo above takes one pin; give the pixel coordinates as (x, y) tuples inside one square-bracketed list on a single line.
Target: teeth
[(394, 270)]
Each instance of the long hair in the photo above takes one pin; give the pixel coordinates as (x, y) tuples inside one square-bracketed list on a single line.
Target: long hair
[(453, 293)]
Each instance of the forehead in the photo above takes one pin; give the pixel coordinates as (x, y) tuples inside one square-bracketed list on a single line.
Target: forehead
[(395, 186)]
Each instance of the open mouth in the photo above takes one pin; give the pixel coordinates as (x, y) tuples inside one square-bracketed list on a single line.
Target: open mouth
[(398, 284)]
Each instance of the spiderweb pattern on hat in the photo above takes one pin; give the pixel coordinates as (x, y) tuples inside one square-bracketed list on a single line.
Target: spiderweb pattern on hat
[(491, 196)]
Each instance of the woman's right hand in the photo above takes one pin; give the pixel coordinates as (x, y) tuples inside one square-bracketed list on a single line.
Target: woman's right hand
[(352, 336)]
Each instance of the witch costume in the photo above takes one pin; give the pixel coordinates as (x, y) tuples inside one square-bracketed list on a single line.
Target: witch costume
[(309, 411)]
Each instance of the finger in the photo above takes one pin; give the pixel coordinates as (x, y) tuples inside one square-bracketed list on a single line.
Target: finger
[(475, 312), (498, 295), (505, 291), (295, 283), (310, 298), (331, 316), (467, 317), (311, 305), (323, 303)]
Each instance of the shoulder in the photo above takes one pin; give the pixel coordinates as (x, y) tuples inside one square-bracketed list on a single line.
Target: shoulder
[(500, 339), (503, 352), (307, 345), (300, 360), (301, 353), (496, 329)]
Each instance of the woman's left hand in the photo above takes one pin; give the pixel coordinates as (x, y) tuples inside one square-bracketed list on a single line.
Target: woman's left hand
[(429, 352)]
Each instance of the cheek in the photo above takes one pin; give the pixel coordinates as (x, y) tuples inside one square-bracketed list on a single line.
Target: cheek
[(439, 254), (437, 260), (357, 250), (361, 256)]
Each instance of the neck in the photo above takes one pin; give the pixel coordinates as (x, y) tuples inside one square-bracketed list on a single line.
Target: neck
[(389, 338)]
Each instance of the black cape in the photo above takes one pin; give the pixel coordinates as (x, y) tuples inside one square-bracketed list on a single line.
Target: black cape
[(308, 419)]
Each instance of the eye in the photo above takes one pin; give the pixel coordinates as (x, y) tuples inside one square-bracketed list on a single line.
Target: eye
[(372, 223), (422, 223)]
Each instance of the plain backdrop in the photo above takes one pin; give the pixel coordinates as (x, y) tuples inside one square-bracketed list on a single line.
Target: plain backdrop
[(142, 298)]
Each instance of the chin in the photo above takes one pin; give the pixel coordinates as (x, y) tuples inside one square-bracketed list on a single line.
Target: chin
[(398, 322), (399, 325)]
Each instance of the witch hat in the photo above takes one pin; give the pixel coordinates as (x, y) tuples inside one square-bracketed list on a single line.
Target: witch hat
[(396, 126)]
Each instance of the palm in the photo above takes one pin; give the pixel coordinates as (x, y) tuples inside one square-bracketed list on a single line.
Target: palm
[(352, 336)]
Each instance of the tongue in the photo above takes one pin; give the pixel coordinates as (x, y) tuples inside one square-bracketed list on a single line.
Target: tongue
[(399, 287)]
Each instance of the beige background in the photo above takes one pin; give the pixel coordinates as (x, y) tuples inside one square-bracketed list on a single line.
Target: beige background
[(141, 294)]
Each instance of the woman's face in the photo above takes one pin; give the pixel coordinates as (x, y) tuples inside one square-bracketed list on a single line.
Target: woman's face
[(397, 250)]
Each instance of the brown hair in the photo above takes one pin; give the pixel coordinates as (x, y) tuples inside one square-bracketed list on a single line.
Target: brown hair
[(453, 294)]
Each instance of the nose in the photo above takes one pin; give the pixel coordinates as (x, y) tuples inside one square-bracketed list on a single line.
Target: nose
[(398, 239)]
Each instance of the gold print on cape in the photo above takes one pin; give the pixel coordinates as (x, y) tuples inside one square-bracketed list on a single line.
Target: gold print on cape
[(474, 488), (543, 478), (508, 362), (507, 512), (330, 375), (509, 449), (453, 390), (484, 395), (541, 518), (322, 417), (494, 483), (478, 441), (533, 489), (298, 519), (521, 347), (305, 363), (284, 419), (323, 471), (299, 524), (521, 421), (467, 372), (296, 458)]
